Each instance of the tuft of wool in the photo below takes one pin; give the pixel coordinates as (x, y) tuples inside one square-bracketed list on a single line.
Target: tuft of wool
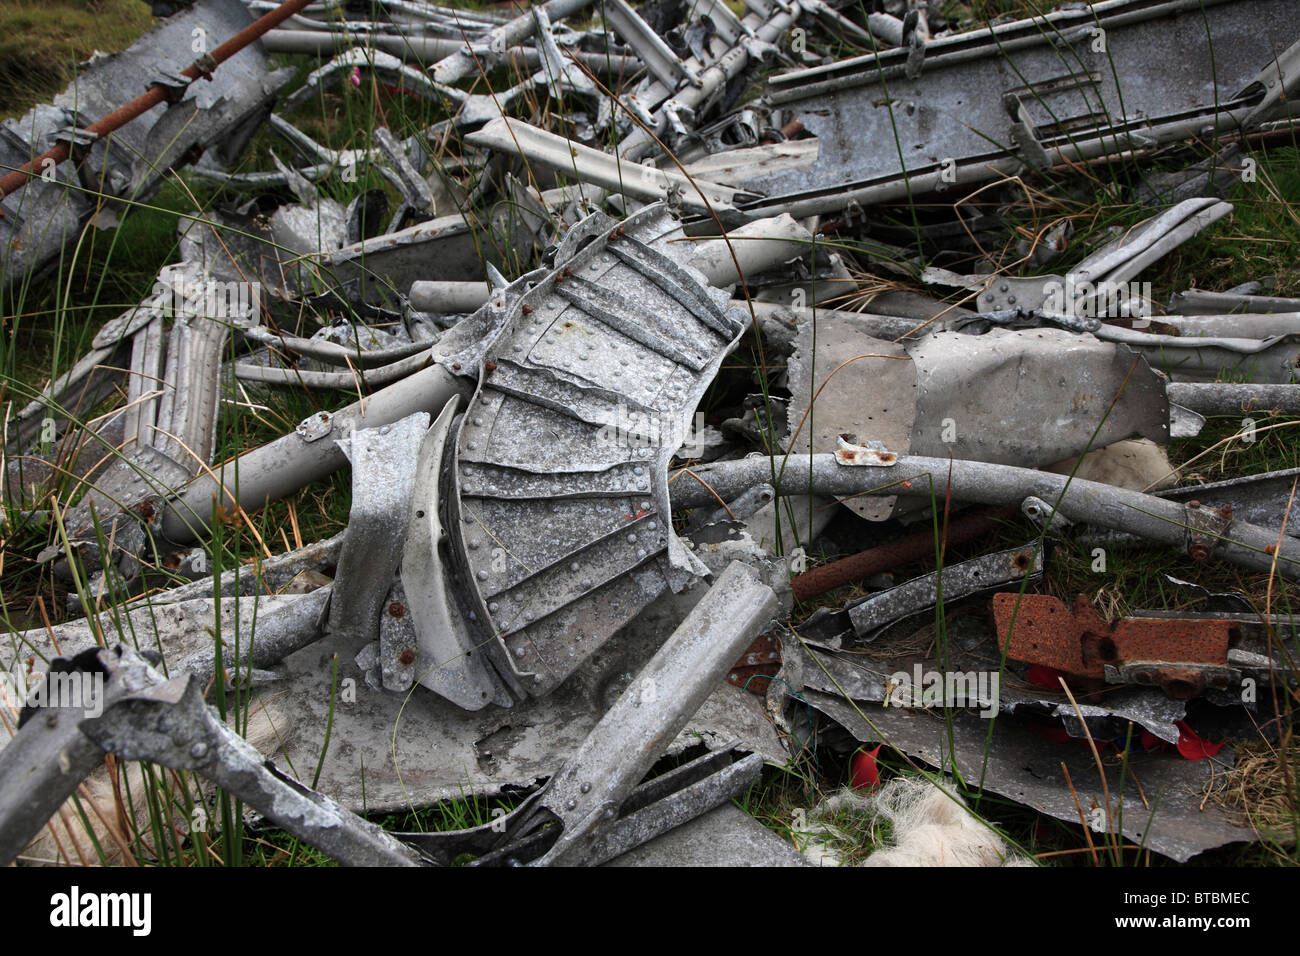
[(928, 826), (65, 839)]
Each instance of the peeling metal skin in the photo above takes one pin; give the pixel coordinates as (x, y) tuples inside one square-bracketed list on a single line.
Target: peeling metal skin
[(560, 509), (1031, 397), (386, 265), (866, 676)]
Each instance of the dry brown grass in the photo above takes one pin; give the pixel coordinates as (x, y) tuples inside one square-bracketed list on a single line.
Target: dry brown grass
[(1261, 789)]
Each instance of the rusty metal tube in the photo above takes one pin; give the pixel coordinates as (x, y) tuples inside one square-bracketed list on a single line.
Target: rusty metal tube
[(156, 94), (905, 550)]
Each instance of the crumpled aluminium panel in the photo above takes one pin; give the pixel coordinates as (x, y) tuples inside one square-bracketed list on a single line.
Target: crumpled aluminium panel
[(1024, 397), (1032, 397), (146, 717), (1040, 90), (222, 112), (864, 677), (559, 511)]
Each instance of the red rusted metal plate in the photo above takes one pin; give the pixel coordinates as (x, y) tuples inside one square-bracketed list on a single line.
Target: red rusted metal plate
[(1184, 640), (1046, 632), (1077, 641)]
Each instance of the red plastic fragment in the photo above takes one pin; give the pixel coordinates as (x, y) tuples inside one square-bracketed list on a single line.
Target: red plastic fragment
[(1049, 730), (866, 773), (1192, 745)]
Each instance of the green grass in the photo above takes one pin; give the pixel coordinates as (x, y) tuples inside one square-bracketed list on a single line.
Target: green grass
[(42, 41), (48, 324), (1259, 241)]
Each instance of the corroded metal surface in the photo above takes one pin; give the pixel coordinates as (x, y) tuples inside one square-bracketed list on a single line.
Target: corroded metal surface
[(1185, 656), (1009, 568), (560, 513), (509, 573)]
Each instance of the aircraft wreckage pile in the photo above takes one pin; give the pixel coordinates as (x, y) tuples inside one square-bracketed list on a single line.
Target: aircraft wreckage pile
[(553, 569)]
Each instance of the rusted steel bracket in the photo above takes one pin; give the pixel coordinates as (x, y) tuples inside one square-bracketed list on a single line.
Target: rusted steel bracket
[(1185, 656)]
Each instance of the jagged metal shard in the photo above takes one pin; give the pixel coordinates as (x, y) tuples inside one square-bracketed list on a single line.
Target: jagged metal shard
[(558, 514), (144, 716), (905, 602)]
